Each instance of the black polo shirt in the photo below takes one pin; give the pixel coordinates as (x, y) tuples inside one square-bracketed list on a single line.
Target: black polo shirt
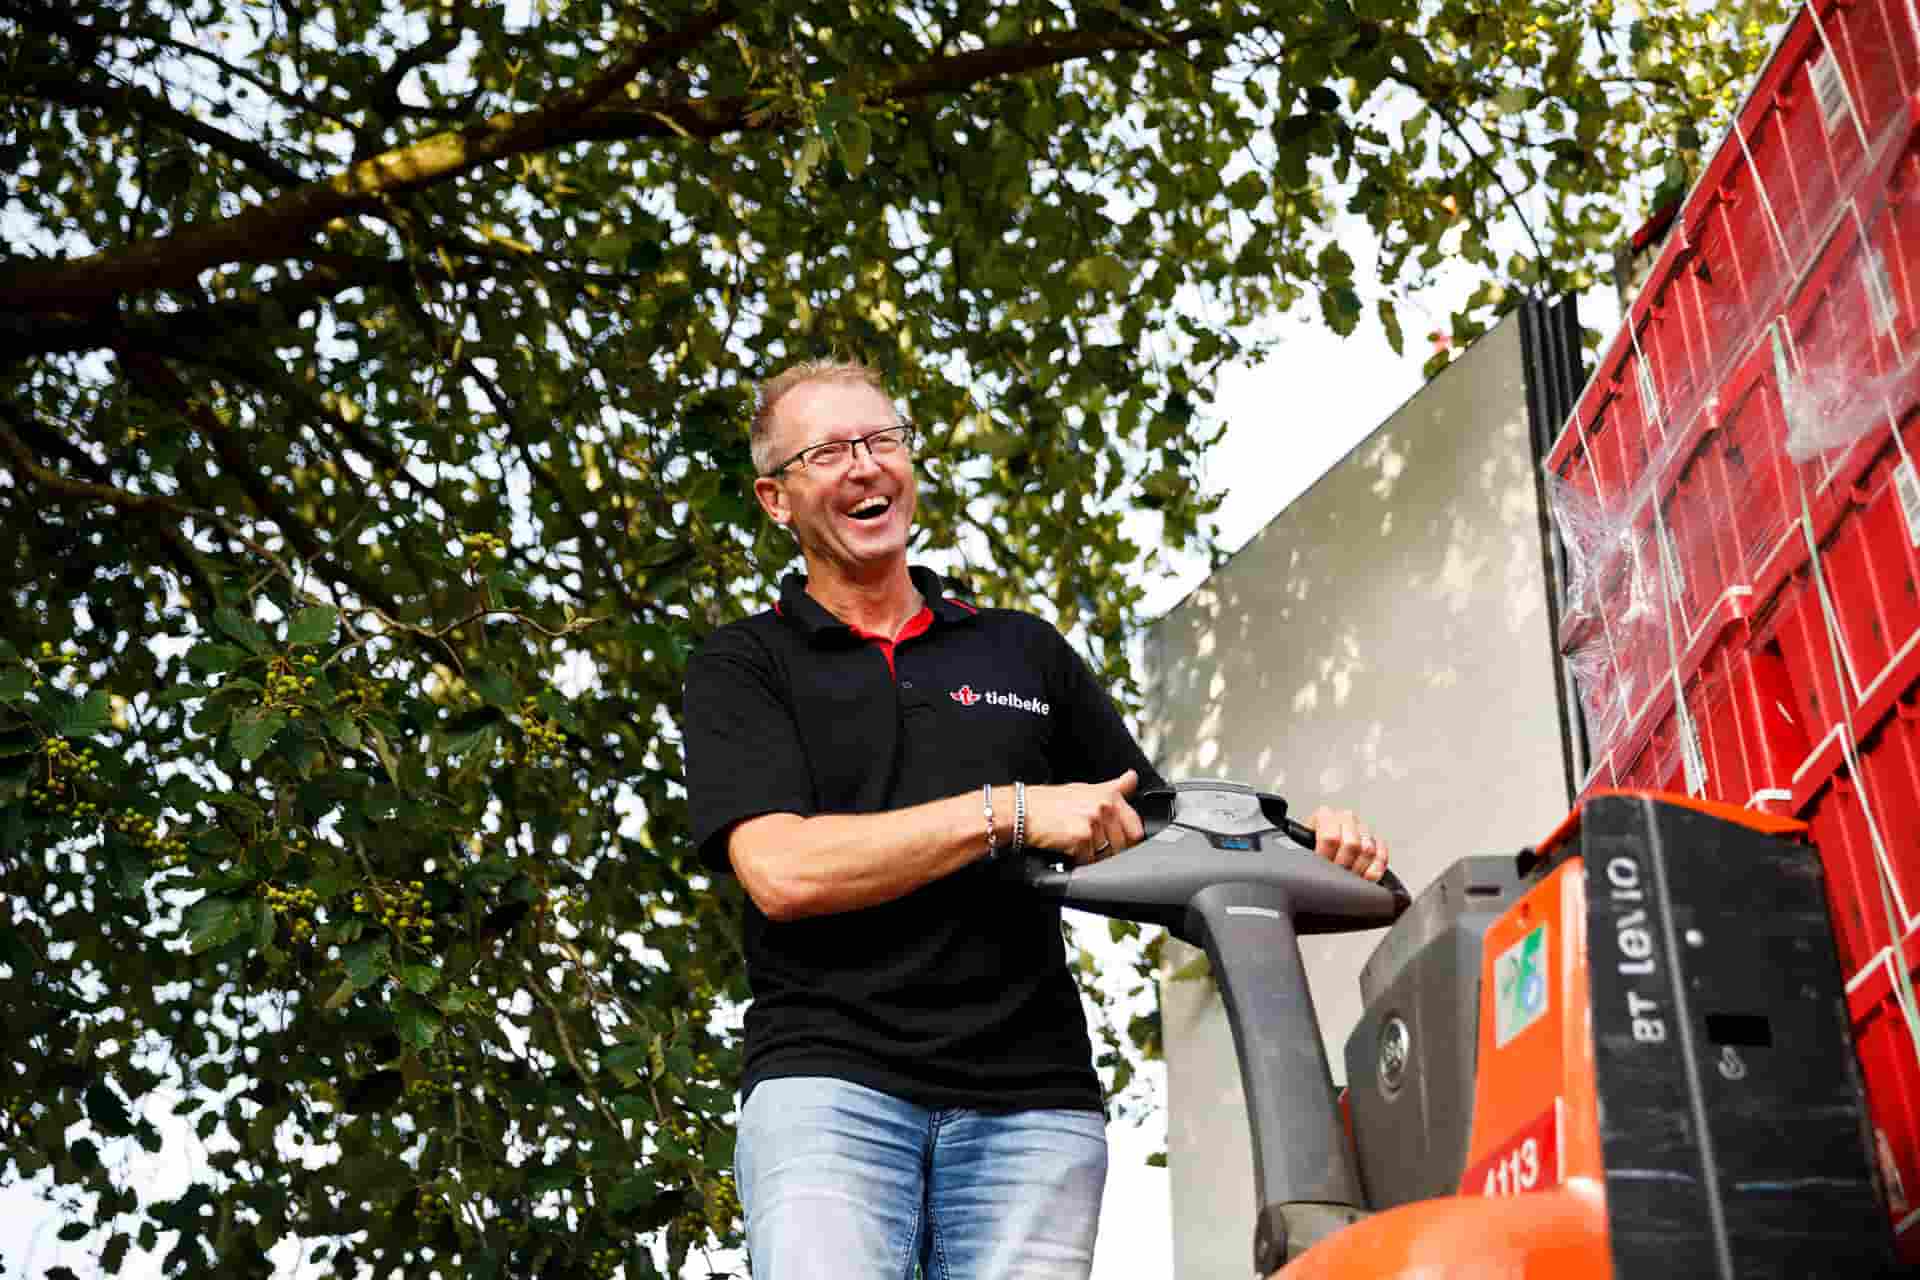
[(957, 994)]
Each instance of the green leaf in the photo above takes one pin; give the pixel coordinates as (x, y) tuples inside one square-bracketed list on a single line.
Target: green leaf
[(633, 1192), (14, 683), (312, 626), (367, 961), (469, 730), (418, 1027), (343, 730), (253, 729), (209, 658), (115, 1253), (215, 921), (495, 688), (420, 978), (1342, 308), (1513, 101), (856, 145), (83, 719), (836, 108), (812, 152), (1390, 321), (1103, 272), (242, 628), (107, 1112), (70, 1233)]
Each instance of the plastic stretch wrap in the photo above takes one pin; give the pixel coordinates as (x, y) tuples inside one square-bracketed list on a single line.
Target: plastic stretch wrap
[(1756, 384)]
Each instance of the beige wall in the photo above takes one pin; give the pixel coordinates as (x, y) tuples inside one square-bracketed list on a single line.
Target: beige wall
[(1381, 646)]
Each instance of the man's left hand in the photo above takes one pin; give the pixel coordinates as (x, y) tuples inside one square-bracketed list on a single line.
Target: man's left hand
[(1346, 842)]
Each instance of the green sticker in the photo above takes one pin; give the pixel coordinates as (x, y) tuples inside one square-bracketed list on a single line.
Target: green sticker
[(1520, 991)]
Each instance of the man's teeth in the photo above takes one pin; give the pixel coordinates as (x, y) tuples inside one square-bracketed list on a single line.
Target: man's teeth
[(871, 507)]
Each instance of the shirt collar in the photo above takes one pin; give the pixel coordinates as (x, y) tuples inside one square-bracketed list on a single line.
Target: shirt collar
[(802, 610)]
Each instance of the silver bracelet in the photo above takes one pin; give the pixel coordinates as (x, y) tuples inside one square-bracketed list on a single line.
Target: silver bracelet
[(1019, 817), (993, 837)]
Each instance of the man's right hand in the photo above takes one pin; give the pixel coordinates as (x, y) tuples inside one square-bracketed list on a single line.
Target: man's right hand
[(1086, 821)]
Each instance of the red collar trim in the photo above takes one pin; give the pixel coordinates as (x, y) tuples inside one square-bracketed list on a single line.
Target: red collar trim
[(916, 625)]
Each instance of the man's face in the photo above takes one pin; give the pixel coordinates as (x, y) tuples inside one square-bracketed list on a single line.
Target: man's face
[(856, 516)]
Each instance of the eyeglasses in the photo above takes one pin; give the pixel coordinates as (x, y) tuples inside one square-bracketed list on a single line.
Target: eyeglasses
[(834, 455)]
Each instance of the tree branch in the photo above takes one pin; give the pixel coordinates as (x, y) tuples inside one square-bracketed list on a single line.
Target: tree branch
[(133, 102), (277, 229)]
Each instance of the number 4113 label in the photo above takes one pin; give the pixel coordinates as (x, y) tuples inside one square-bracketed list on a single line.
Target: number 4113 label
[(1529, 1160)]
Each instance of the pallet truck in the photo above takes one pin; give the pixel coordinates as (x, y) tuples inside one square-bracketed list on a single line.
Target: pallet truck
[(1621, 1053)]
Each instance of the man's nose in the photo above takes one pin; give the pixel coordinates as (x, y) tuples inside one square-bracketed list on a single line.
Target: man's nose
[(862, 456)]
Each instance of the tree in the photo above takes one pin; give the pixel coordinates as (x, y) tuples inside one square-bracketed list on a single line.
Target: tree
[(364, 367)]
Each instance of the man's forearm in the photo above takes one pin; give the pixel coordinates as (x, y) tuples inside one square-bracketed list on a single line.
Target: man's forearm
[(794, 867)]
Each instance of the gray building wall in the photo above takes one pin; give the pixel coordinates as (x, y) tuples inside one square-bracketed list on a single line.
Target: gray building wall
[(1382, 646)]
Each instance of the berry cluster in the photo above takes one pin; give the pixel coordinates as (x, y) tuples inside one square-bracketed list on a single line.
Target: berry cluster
[(287, 685), (167, 851), (295, 905), (721, 1203), (604, 1262), (544, 736), (364, 694), (400, 908), (429, 1207), (66, 769), (483, 546)]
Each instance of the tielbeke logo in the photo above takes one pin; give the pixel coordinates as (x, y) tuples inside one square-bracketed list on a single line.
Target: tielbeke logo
[(966, 697)]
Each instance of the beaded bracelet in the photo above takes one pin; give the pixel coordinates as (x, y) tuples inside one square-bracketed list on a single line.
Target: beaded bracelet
[(993, 837), (1019, 816)]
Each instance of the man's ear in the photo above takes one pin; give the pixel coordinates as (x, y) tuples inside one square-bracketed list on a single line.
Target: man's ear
[(773, 499)]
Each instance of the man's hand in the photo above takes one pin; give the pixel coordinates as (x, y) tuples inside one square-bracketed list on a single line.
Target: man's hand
[(1086, 821), (1345, 842)]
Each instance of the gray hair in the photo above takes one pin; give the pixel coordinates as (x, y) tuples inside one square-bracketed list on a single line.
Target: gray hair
[(760, 436)]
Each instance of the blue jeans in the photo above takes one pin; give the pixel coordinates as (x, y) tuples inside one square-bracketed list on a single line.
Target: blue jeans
[(843, 1182)]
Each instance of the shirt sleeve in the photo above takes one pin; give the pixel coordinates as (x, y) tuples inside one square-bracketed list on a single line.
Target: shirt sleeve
[(1096, 744), (744, 756)]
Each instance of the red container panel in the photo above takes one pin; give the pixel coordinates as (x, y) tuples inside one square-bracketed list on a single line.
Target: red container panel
[(1737, 269), (1750, 740), (1891, 1068), (1677, 362), (1835, 403), (1763, 483), (1837, 823), (1873, 42), (1700, 527), (1890, 767), (1795, 631), (1892, 214)]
